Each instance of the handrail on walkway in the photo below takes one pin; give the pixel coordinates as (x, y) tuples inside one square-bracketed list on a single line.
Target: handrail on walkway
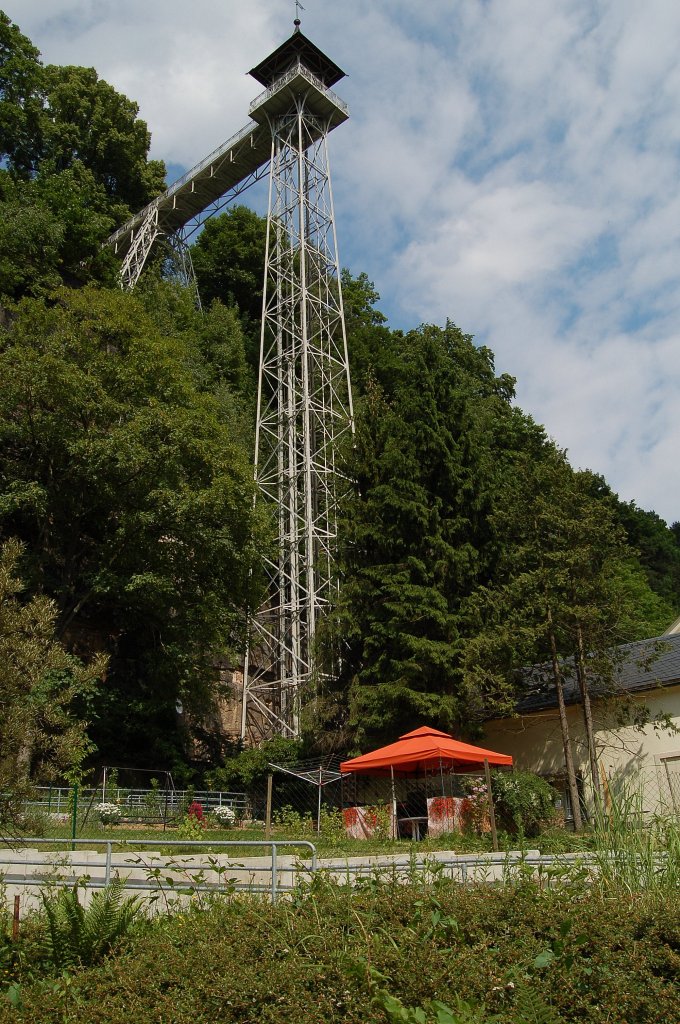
[(273, 845)]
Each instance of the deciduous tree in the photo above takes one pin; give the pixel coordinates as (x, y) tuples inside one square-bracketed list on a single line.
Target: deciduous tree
[(133, 496), (44, 692)]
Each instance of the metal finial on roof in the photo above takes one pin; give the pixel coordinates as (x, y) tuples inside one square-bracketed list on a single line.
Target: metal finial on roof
[(298, 8)]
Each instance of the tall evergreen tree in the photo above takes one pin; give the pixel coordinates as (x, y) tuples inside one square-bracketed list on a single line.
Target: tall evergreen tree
[(414, 529)]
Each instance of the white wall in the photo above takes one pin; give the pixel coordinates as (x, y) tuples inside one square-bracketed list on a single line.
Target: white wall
[(648, 758)]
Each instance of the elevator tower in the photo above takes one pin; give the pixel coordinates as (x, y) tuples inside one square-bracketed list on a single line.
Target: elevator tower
[(304, 396), (304, 406)]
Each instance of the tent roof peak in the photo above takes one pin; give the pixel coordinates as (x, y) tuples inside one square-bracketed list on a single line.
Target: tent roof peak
[(426, 730)]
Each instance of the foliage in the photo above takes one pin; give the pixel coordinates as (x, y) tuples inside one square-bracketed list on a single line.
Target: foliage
[(121, 476), (433, 1011), (44, 692), (658, 544), (78, 935), (523, 802), (74, 166), (109, 814), (53, 117), (21, 96), (631, 853), (565, 592), (191, 827), (195, 811), (51, 229), (223, 815), (228, 260), (414, 529), (248, 769), (517, 950)]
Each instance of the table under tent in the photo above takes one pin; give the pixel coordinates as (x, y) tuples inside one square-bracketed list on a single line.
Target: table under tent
[(424, 778)]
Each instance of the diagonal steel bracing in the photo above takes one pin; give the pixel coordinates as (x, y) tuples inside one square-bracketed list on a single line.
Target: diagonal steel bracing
[(304, 395), (304, 409)]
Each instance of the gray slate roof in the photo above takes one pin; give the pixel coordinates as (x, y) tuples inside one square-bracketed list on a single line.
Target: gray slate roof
[(643, 665)]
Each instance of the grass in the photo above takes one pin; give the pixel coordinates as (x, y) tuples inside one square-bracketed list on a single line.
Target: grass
[(621, 845)]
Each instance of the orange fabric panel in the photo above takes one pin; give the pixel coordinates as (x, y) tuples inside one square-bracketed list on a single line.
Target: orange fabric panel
[(422, 750)]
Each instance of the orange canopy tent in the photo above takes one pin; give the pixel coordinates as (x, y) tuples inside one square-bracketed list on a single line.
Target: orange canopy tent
[(421, 751)]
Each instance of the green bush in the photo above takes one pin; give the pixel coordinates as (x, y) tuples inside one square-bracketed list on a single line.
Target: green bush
[(516, 954), (524, 803), (248, 769)]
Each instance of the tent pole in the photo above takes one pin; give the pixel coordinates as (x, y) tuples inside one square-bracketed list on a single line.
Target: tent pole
[(492, 816), (318, 806), (393, 828)]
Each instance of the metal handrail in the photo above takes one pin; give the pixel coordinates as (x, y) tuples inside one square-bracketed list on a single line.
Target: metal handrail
[(280, 83), (224, 148), (273, 845), (183, 180)]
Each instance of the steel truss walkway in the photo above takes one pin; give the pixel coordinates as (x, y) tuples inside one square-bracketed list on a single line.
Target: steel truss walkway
[(222, 176)]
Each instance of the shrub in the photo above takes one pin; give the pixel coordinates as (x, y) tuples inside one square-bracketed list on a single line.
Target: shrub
[(195, 811), (517, 954), (109, 814), (191, 828), (523, 802), (294, 824), (224, 816)]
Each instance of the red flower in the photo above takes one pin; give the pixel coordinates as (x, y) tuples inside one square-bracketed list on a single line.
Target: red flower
[(195, 811)]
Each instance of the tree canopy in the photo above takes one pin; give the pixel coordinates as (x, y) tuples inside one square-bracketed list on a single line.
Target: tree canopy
[(468, 546), (44, 692), (121, 474), (75, 165)]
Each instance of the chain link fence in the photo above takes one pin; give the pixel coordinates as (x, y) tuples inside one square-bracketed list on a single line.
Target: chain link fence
[(317, 801)]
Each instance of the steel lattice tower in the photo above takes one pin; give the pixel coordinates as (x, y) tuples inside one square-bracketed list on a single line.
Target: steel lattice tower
[(304, 395)]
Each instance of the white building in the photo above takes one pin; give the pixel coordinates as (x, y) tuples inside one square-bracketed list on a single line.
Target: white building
[(644, 761)]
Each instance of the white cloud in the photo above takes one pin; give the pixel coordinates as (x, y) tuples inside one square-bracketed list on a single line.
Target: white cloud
[(509, 164)]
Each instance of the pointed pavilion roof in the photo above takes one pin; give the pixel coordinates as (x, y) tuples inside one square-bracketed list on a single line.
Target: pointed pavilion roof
[(297, 48), (421, 750)]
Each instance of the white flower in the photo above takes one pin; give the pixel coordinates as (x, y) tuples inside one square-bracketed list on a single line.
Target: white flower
[(109, 814), (224, 814)]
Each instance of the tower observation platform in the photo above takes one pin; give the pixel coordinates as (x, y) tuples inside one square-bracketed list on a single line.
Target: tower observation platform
[(296, 66), (304, 401)]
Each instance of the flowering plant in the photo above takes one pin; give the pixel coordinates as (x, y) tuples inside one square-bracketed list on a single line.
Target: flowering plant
[(109, 814), (478, 808), (195, 814), (224, 815)]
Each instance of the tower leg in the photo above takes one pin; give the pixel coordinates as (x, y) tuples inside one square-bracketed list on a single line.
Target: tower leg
[(141, 246), (304, 409)]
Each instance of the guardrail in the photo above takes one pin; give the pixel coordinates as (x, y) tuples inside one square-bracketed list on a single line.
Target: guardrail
[(146, 803), (297, 70), (202, 873)]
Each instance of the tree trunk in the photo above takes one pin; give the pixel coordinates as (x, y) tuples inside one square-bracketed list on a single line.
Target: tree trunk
[(564, 726), (582, 676)]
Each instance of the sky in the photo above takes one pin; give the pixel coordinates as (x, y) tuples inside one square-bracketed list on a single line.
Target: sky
[(510, 165)]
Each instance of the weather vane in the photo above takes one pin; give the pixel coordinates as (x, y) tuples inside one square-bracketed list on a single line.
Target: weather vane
[(298, 8)]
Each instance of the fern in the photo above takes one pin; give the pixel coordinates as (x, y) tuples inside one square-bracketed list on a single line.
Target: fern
[(78, 935), (531, 1008)]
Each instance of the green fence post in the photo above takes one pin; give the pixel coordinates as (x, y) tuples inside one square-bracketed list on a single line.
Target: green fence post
[(74, 816)]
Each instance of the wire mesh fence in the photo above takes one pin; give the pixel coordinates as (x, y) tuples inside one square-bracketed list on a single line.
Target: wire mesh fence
[(314, 799), (650, 790), (86, 808)]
